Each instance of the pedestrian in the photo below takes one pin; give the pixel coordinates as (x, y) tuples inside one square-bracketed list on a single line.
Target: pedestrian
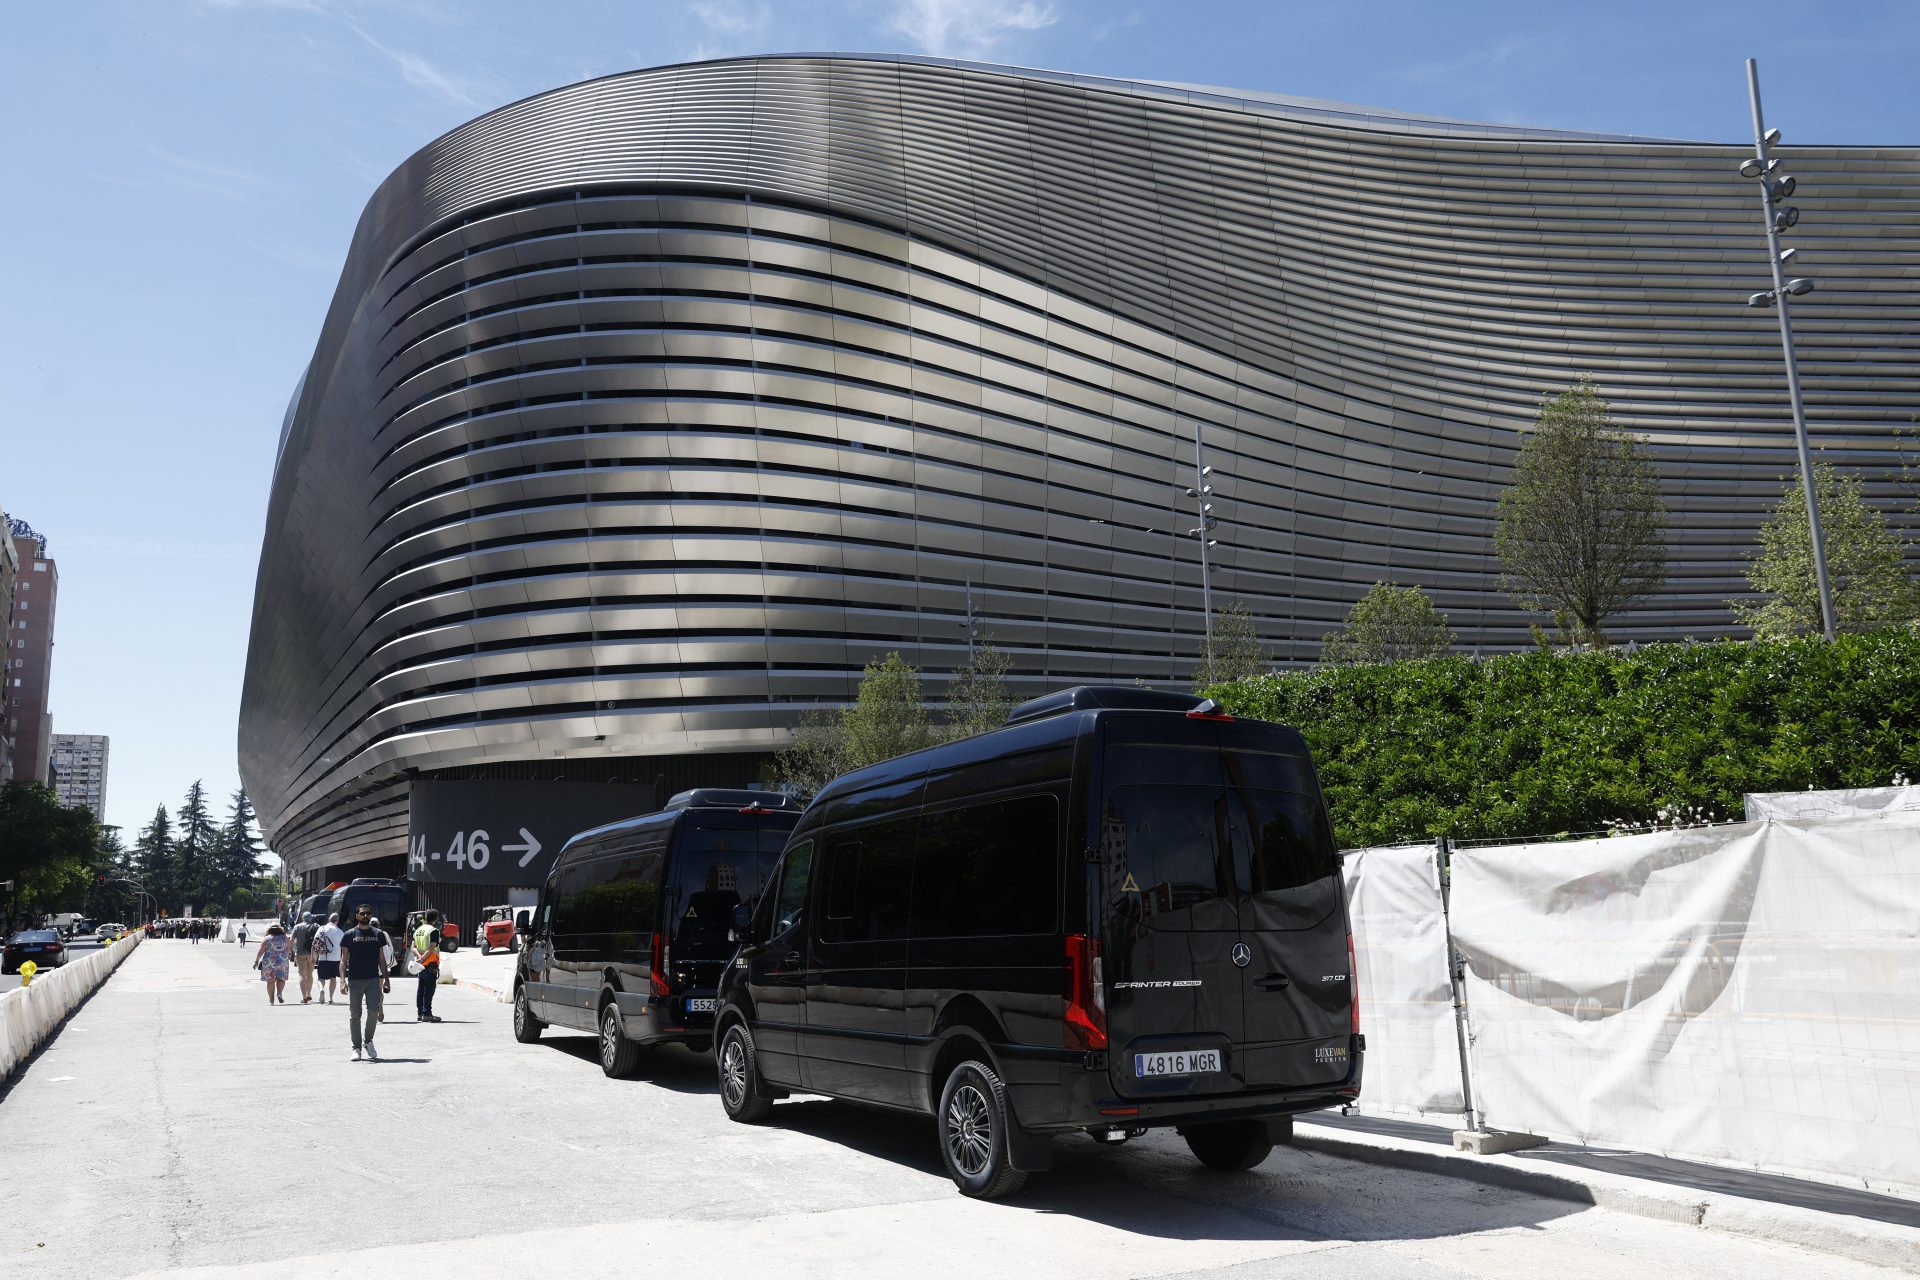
[(383, 1008), (326, 956), (426, 951), (193, 932), (243, 931), (274, 959), (303, 954), (365, 956)]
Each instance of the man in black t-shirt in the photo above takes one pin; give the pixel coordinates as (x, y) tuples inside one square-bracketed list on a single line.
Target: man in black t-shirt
[(366, 954)]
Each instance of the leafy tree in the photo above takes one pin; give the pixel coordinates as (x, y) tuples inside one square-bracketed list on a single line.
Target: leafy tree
[(1233, 649), (47, 850), (1866, 564), (153, 861), (979, 697), (1582, 527), (195, 850), (1389, 624), (888, 718)]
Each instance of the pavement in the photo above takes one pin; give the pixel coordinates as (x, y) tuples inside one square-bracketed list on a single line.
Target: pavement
[(198, 1131)]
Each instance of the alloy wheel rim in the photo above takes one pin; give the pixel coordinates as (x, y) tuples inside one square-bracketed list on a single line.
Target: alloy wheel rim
[(733, 1071), (969, 1130), (609, 1035), (520, 1011)]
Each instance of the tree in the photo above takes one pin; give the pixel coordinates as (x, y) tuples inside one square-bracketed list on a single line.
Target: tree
[(1866, 564), (978, 697), (888, 719), (1233, 649), (47, 850), (1582, 527), (195, 848), (1389, 624), (153, 860), (237, 859)]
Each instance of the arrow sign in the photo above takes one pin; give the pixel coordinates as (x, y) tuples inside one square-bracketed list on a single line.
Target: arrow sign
[(528, 851)]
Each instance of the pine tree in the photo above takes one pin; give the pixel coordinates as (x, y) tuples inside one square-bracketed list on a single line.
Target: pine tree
[(238, 859), (1389, 624), (153, 860), (1582, 530), (978, 697), (195, 848)]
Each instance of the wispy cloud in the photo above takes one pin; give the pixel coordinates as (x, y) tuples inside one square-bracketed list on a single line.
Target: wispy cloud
[(734, 18), (185, 173), (414, 69), (966, 28)]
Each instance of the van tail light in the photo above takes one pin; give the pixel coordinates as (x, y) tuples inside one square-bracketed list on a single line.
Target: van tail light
[(755, 809), (1353, 984), (658, 976), (1086, 994)]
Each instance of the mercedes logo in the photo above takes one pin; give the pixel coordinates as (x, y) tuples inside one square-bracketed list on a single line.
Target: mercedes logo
[(1242, 954)]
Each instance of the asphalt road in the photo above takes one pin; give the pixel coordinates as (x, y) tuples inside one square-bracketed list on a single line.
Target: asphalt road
[(79, 947), (196, 1129)]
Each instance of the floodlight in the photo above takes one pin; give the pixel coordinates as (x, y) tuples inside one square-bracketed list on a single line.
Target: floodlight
[(1786, 256), (1799, 287), (1773, 138), (1752, 167), (1781, 188), (1787, 217), (1762, 299)]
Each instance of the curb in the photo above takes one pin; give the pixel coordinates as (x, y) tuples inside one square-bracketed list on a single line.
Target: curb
[(1860, 1239), (471, 985)]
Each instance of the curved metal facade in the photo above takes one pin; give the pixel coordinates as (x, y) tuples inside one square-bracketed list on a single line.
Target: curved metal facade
[(653, 407)]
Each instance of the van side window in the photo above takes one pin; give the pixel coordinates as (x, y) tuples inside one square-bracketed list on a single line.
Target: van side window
[(988, 869), (568, 884), (869, 878), (621, 893), (794, 875)]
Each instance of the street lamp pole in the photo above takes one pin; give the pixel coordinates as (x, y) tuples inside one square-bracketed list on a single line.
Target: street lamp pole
[(1202, 495), (1777, 220)]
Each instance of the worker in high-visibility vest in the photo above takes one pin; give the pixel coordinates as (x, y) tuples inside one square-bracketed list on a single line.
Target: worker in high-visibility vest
[(426, 952)]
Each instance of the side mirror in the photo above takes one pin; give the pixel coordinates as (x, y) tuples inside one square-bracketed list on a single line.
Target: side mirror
[(742, 927)]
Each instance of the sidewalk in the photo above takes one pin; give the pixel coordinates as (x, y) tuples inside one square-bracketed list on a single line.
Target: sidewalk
[(1861, 1225), (490, 975)]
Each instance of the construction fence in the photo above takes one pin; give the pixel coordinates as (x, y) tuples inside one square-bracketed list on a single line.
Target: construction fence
[(1745, 994)]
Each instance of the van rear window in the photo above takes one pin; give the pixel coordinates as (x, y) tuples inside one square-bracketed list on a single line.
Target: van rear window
[(718, 863)]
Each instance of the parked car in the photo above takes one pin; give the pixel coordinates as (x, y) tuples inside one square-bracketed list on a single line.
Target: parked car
[(1122, 911), (109, 930), (632, 930), (498, 931), (42, 946)]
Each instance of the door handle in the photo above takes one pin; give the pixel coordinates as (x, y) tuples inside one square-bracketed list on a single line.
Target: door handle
[(792, 960), (1273, 982)]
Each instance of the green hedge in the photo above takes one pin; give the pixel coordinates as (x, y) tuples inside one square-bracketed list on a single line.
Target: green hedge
[(1551, 743)]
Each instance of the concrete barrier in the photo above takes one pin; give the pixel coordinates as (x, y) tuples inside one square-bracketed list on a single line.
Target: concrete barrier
[(28, 1015)]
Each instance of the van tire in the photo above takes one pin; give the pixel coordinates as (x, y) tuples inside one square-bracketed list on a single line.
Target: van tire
[(526, 1027), (974, 1122), (619, 1056), (743, 1092), (1232, 1146)]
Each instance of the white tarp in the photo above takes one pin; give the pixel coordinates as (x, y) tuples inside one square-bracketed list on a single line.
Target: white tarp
[(1406, 1000), (1831, 804), (1747, 994)]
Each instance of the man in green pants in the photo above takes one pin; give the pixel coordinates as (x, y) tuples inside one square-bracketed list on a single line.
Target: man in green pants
[(366, 954)]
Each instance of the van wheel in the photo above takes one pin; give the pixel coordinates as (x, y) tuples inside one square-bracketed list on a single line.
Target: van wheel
[(1232, 1146), (526, 1027), (974, 1122), (618, 1055), (742, 1091)]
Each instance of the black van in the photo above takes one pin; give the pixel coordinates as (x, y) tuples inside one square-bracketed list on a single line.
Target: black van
[(1121, 911), (632, 929), (390, 901)]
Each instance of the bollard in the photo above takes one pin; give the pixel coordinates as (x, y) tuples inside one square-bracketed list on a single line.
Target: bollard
[(27, 971)]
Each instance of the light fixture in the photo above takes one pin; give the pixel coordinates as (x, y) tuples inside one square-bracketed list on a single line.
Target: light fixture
[(1752, 167), (1786, 256), (1785, 218), (1799, 287), (1762, 299), (1781, 188), (1773, 138)]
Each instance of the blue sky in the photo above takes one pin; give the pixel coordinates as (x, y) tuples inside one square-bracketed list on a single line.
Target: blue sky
[(183, 177)]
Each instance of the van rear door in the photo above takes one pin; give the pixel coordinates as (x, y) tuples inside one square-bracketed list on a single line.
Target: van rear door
[(1175, 999), (1225, 926)]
